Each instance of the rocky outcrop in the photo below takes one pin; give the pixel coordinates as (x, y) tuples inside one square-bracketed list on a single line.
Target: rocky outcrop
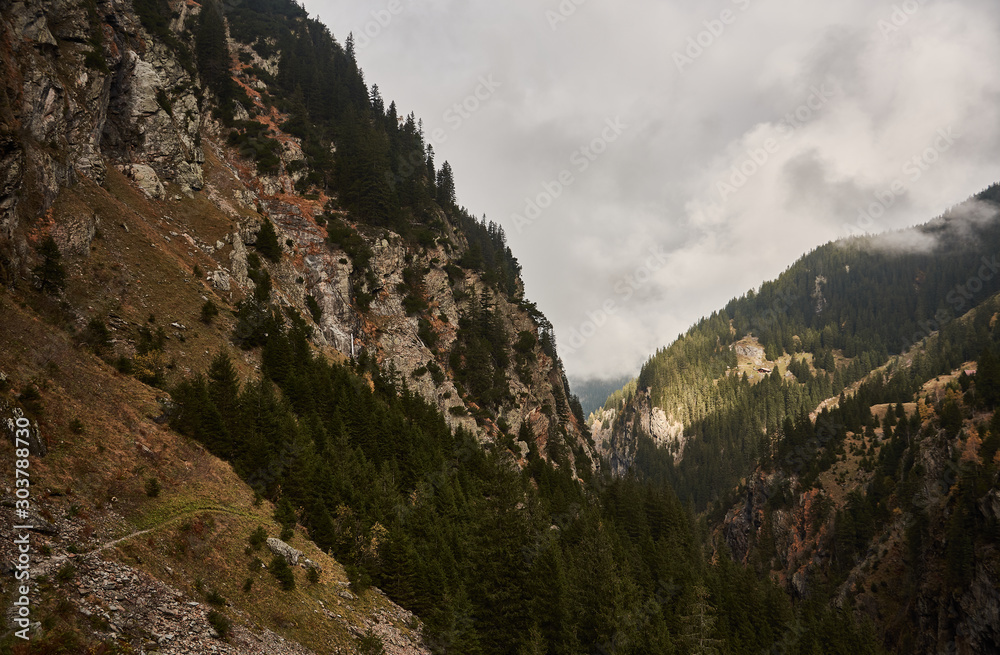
[(742, 524), (751, 351), (616, 432), (64, 117), (75, 231), (154, 119), (280, 548), (146, 179)]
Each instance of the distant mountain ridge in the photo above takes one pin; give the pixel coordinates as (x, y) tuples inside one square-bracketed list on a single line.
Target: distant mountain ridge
[(594, 392)]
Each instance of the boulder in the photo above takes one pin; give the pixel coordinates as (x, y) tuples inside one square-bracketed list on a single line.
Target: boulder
[(219, 280), (75, 232), (146, 179), (279, 547)]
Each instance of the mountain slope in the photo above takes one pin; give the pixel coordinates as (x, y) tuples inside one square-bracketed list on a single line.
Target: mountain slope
[(824, 324), (837, 428), (420, 287)]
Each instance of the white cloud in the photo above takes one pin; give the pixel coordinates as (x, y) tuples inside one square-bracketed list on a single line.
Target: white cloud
[(895, 92)]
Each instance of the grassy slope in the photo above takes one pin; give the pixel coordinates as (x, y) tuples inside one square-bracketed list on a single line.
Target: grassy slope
[(93, 482)]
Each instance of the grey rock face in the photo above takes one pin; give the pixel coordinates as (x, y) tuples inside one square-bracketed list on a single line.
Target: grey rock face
[(149, 123), (144, 112), (279, 547)]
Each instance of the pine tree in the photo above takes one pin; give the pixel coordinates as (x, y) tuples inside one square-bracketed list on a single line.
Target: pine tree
[(446, 187), (267, 242), (224, 388), (50, 272), (213, 58), (285, 515), (699, 625)]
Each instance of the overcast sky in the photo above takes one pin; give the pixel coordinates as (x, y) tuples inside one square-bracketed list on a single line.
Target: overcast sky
[(678, 153)]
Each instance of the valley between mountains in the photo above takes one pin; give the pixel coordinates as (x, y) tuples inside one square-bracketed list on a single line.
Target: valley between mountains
[(266, 387)]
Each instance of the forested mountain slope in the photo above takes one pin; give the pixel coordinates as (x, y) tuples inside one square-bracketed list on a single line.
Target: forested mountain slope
[(718, 396), (837, 428)]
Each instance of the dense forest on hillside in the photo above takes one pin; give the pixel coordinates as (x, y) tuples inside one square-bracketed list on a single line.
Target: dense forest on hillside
[(839, 312), (930, 475), (492, 558)]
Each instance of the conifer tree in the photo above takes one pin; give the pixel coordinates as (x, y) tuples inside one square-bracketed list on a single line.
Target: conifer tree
[(213, 58), (50, 272), (267, 242), (446, 186), (224, 387), (699, 624)]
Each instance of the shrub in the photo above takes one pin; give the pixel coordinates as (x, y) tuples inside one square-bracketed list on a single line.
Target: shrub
[(208, 312), (341, 235), (436, 373), (31, 399), (152, 487), (124, 365), (51, 274), (149, 368), (95, 59), (221, 623), (314, 309), (313, 575), (267, 242), (427, 333), (359, 578), (371, 644), (96, 335), (66, 572), (150, 341), (282, 572), (257, 538), (216, 598), (164, 102)]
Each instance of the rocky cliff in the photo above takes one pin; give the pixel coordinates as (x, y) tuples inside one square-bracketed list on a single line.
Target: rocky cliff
[(90, 90), (616, 431)]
